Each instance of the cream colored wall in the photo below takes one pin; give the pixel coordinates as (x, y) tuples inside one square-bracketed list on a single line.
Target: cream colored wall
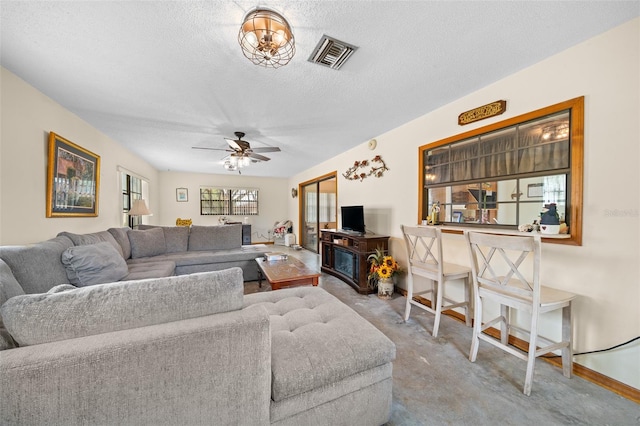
[(604, 270), (27, 117), (273, 195)]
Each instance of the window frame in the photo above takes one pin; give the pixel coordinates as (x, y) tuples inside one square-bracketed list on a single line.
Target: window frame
[(132, 187), (576, 174), (228, 206)]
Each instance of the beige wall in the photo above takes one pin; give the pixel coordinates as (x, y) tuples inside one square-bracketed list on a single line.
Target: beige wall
[(272, 198), (604, 271), (27, 118)]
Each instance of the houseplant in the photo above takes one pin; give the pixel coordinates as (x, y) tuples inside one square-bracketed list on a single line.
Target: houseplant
[(381, 272)]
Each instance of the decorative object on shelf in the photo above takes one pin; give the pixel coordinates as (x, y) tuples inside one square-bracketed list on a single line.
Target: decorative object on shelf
[(266, 38), (294, 193), (182, 195), (381, 272), (549, 219), (372, 144), (480, 113), (73, 179), (434, 216), (525, 227), (375, 170)]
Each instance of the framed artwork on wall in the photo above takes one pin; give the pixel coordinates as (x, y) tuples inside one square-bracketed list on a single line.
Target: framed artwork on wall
[(182, 195), (73, 179), (534, 190)]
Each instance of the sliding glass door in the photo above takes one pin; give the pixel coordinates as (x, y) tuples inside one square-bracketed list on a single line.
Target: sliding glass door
[(318, 209)]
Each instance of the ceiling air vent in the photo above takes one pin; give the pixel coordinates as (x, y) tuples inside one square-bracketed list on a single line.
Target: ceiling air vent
[(331, 53)]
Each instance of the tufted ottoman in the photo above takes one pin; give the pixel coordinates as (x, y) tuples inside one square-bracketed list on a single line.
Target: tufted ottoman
[(328, 364)]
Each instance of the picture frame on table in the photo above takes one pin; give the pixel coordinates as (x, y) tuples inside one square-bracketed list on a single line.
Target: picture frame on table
[(457, 217), (73, 179), (182, 195)]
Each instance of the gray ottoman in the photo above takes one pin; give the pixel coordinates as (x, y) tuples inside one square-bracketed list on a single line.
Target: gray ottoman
[(328, 364)]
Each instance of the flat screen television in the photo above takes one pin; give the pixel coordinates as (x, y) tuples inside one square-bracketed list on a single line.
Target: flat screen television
[(353, 218)]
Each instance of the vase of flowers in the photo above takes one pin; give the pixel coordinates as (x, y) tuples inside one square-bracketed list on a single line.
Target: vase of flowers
[(382, 270)]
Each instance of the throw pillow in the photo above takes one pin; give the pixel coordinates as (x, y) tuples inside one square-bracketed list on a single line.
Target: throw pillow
[(147, 243), (122, 238), (94, 264), (40, 318), (96, 237)]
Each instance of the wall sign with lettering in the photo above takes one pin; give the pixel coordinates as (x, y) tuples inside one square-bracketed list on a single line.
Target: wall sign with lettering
[(480, 113)]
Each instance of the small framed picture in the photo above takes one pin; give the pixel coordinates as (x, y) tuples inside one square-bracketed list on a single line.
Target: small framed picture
[(534, 190), (182, 195), (456, 217)]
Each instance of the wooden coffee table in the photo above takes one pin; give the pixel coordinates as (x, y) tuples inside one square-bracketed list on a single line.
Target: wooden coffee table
[(285, 273)]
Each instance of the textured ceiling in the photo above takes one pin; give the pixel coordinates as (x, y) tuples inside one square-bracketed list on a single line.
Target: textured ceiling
[(162, 76)]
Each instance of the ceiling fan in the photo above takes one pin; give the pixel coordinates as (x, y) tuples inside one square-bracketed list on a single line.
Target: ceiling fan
[(241, 153)]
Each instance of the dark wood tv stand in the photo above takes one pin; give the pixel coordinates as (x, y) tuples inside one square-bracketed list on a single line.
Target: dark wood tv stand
[(344, 255)]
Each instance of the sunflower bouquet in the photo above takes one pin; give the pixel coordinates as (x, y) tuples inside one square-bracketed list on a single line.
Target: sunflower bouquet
[(381, 266)]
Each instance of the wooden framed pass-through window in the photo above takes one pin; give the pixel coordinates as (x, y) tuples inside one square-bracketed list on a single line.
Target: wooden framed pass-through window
[(500, 176)]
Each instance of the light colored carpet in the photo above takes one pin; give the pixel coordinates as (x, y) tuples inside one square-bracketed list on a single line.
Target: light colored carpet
[(434, 383)]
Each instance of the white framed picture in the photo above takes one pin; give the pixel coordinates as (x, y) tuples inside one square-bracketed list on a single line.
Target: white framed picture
[(182, 195)]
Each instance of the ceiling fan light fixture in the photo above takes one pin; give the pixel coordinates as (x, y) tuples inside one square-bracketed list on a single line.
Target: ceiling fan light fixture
[(266, 38)]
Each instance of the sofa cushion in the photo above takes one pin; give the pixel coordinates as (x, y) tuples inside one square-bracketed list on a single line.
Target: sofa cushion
[(9, 287), (176, 237), (145, 243), (316, 340), (93, 264), (200, 257), (122, 237), (37, 267), (96, 237), (42, 318), (215, 237), (151, 269)]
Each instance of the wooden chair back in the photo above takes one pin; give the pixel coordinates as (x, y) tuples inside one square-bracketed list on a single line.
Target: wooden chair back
[(498, 266), (424, 248)]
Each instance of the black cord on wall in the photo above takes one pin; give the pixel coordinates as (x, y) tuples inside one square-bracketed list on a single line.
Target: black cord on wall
[(597, 350)]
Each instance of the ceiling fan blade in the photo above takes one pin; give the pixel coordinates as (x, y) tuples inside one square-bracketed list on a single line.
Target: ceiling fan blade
[(266, 149), (237, 144), (258, 156), (211, 149)]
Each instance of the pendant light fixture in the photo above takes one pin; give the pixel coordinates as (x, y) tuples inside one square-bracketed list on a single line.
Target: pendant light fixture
[(266, 38)]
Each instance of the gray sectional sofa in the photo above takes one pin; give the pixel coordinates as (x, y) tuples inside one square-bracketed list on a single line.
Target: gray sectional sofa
[(188, 349), (124, 254)]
